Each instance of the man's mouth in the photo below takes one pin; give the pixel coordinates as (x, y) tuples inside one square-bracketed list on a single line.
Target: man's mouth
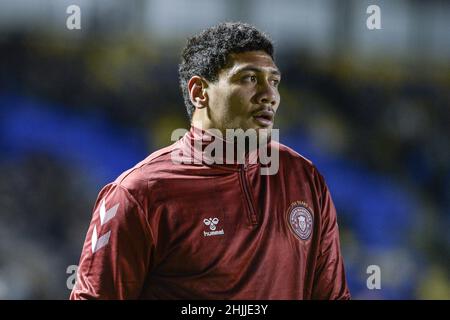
[(264, 118)]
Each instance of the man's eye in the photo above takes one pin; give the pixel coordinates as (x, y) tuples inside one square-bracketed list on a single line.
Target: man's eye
[(275, 82), (250, 78)]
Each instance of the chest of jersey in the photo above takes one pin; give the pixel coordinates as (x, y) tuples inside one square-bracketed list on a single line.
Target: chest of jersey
[(229, 224)]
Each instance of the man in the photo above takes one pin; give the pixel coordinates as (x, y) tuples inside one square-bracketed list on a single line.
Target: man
[(201, 229)]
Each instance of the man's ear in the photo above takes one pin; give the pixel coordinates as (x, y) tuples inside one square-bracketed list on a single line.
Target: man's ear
[(197, 92)]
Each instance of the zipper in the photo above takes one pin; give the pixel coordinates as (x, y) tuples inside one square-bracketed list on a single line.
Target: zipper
[(251, 209)]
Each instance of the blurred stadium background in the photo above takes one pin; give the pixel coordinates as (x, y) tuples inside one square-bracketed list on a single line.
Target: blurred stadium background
[(370, 108)]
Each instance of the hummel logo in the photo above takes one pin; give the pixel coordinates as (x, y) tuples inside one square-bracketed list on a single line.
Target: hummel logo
[(212, 222), (105, 216)]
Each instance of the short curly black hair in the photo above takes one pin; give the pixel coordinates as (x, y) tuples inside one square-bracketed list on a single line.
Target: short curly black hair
[(206, 53)]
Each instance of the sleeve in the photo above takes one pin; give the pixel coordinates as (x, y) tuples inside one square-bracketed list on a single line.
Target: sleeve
[(329, 280), (117, 249)]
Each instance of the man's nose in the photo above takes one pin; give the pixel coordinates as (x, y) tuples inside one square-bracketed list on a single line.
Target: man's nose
[(267, 94)]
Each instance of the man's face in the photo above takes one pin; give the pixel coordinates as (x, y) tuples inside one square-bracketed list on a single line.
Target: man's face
[(246, 94)]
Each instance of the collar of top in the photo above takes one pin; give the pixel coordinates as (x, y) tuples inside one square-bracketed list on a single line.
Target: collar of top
[(209, 147)]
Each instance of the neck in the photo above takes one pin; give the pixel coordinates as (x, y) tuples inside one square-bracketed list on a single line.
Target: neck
[(201, 121), (234, 147)]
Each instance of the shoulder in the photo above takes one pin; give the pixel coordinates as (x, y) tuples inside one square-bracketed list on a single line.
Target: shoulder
[(135, 180), (290, 157), (295, 165), (298, 167)]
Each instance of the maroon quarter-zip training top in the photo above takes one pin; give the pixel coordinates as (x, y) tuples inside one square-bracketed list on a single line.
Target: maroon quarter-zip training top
[(165, 230)]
